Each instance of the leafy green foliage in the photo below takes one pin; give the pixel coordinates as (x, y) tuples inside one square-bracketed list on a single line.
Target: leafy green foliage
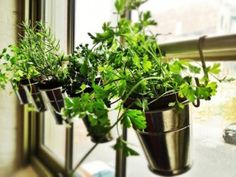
[(123, 145), (36, 56), (134, 117), (130, 66), (91, 106), (43, 51), (3, 80)]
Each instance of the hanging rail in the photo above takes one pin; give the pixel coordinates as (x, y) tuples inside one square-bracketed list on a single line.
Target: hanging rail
[(215, 48)]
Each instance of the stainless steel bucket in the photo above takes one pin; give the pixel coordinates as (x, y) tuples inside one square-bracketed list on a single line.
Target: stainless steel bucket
[(166, 141)]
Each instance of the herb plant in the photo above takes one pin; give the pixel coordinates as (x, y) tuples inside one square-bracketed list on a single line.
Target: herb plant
[(133, 67), (36, 56), (45, 52), (16, 63)]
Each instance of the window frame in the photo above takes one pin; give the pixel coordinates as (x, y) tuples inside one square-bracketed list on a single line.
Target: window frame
[(43, 152), (217, 48), (33, 149), (221, 48)]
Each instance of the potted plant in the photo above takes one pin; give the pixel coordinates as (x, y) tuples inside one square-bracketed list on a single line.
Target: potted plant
[(82, 85), (152, 92), (50, 62), (20, 71), (36, 64)]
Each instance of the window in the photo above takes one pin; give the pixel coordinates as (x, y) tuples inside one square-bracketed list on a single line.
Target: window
[(52, 147), (89, 16), (181, 20), (56, 145), (181, 23)]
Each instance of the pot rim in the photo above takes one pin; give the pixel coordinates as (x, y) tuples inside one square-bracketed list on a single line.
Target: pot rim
[(185, 103), (25, 82), (50, 89), (164, 132)]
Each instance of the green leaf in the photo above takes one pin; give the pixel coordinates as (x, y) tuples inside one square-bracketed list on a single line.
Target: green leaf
[(126, 122), (99, 91), (186, 91), (83, 87), (215, 69), (213, 86), (122, 145), (93, 119), (204, 92), (175, 67), (136, 61), (136, 117), (194, 69), (120, 6), (122, 86), (147, 65)]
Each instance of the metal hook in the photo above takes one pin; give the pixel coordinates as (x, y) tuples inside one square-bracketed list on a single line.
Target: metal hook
[(202, 58), (197, 104)]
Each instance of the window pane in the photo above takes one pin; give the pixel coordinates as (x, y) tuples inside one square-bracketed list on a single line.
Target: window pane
[(184, 19), (54, 137), (102, 158), (90, 16), (211, 155), (56, 19)]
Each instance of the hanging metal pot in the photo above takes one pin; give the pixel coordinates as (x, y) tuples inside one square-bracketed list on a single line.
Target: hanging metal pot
[(167, 141), (54, 97), (95, 137), (21, 95), (32, 91)]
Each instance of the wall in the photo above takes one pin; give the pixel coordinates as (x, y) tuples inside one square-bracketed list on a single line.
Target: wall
[(10, 116)]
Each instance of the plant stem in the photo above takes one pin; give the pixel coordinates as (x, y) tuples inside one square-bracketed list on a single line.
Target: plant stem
[(136, 85), (164, 94)]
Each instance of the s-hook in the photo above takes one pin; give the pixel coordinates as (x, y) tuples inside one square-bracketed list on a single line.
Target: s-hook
[(201, 41)]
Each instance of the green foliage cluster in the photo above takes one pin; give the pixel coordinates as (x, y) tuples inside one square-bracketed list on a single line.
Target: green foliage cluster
[(44, 52), (36, 56), (129, 63), (124, 63)]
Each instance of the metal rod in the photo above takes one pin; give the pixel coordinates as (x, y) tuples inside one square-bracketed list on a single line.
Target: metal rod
[(121, 158), (83, 159), (215, 48), (71, 26), (69, 149)]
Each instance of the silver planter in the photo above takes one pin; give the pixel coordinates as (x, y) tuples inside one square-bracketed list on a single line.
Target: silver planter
[(33, 94), (22, 95), (166, 141), (54, 98), (95, 137)]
